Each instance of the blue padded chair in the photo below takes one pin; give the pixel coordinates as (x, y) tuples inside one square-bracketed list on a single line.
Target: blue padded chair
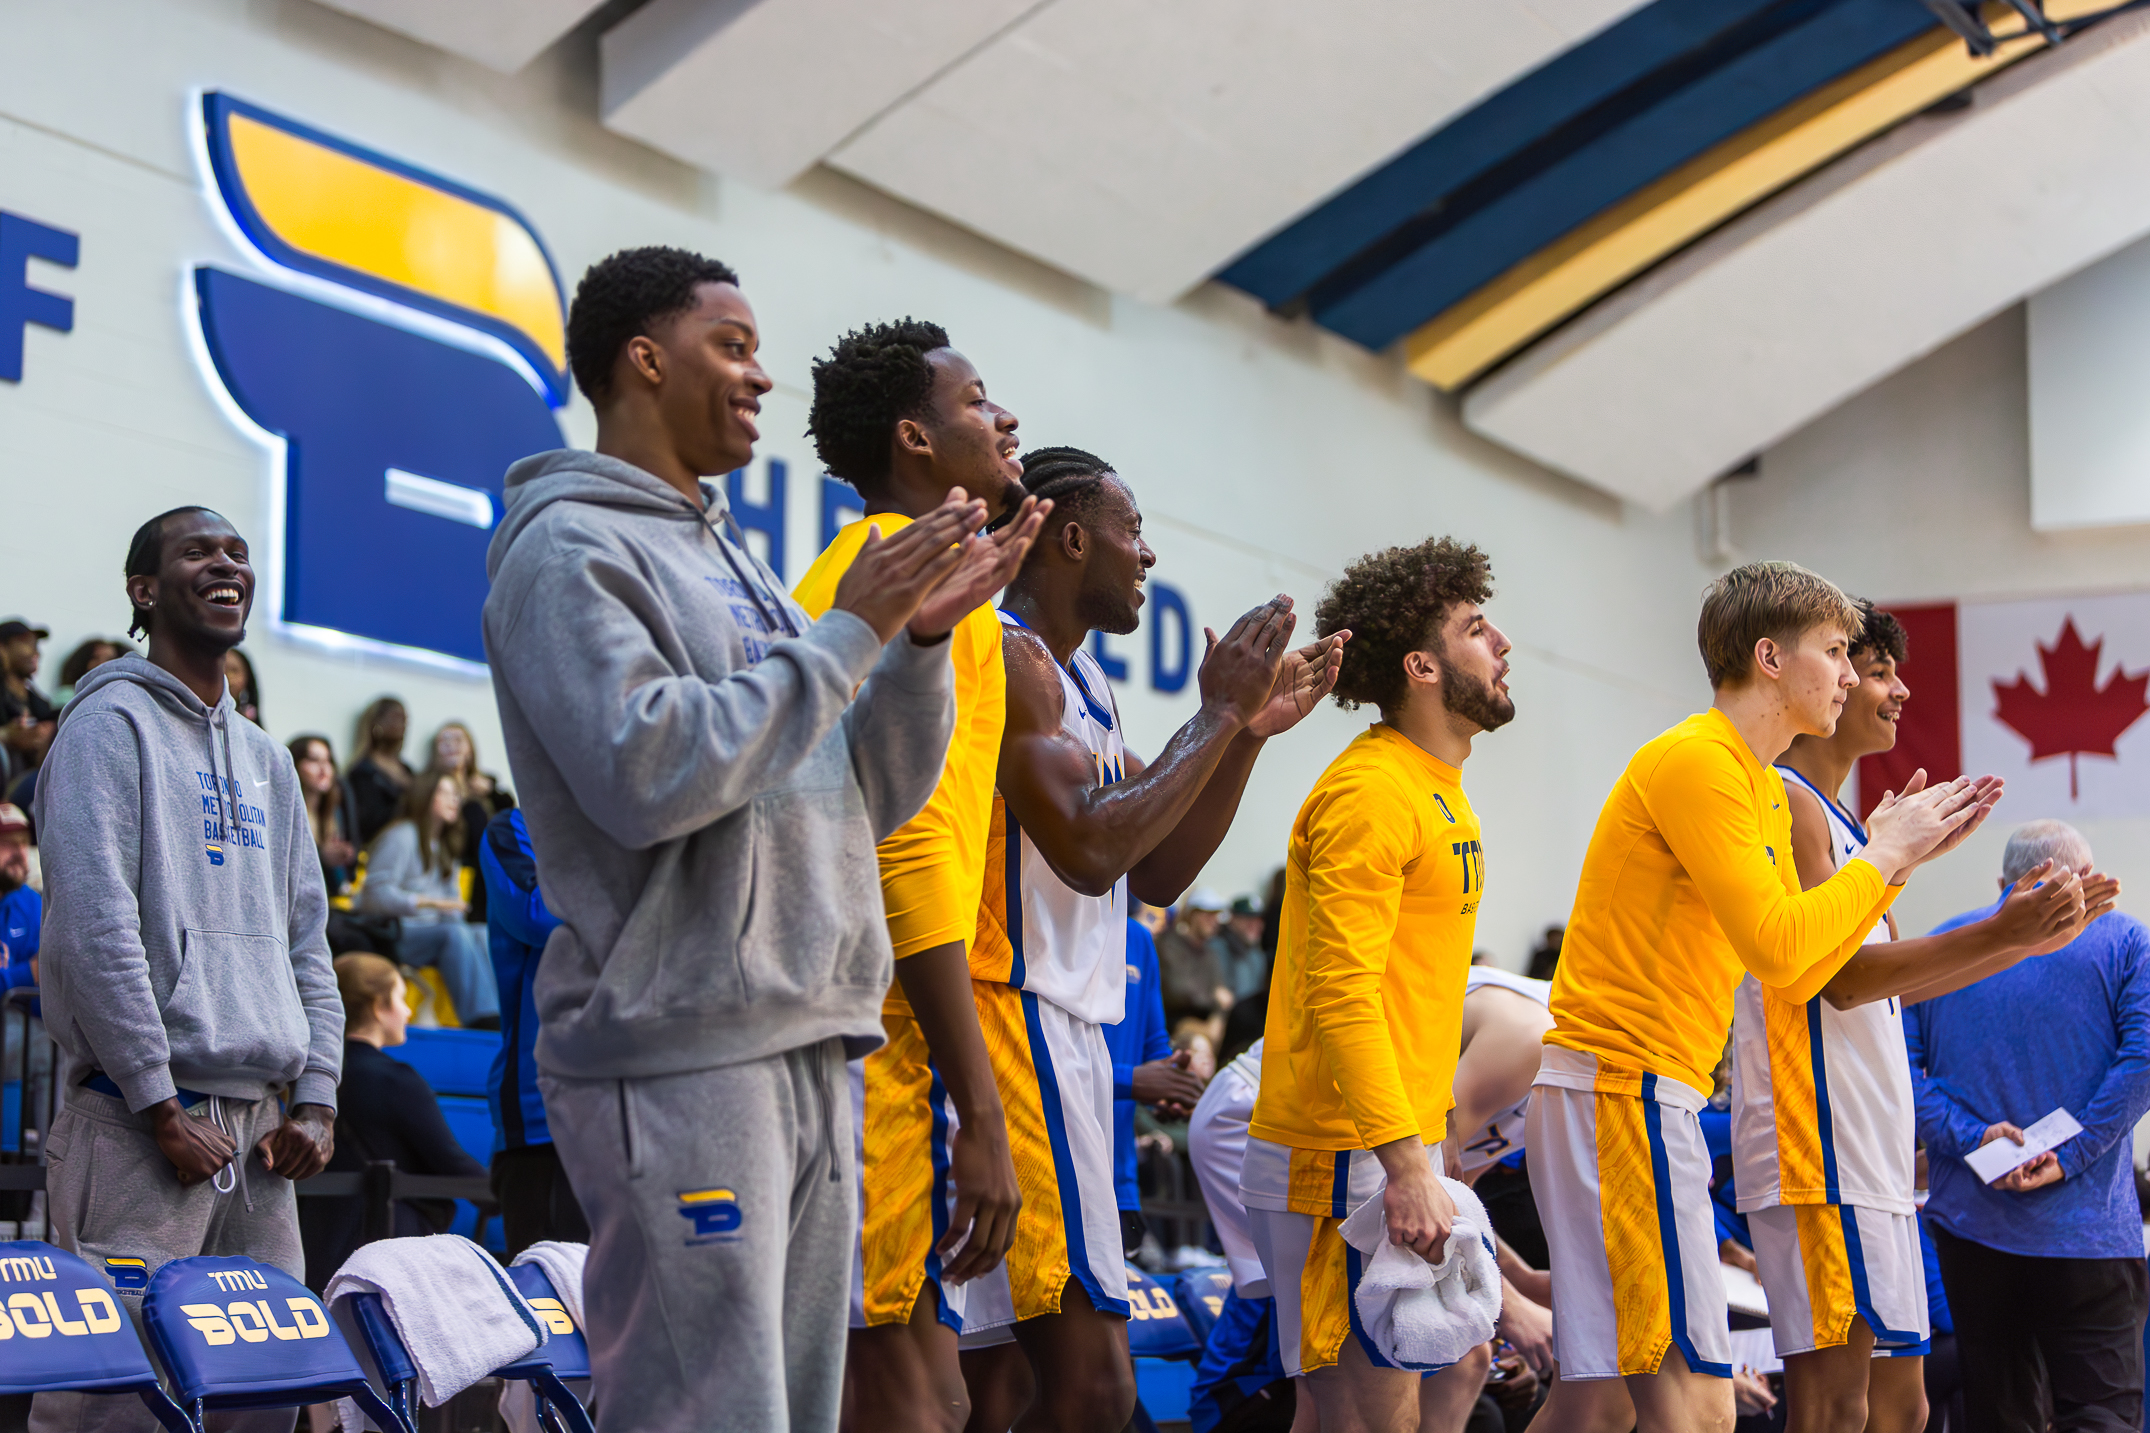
[(62, 1331), (1155, 1328), (1202, 1293), (564, 1355), (232, 1333)]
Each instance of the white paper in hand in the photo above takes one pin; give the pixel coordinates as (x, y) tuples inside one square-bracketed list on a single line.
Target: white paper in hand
[(1997, 1157)]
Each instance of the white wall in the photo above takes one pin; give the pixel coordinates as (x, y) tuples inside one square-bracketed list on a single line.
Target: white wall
[(1919, 490), (1264, 454)]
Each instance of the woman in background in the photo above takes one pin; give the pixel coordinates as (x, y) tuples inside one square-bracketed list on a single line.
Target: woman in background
[(384, 1110), (245, 690), (455, 751), (331, 811), (94, 652), (412, 874), (379, 778)]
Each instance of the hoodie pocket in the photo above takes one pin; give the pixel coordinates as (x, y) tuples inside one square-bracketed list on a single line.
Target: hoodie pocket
[(236, 1005)]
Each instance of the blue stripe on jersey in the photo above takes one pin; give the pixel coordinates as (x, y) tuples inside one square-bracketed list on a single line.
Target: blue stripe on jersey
[(1353, 1268), (1862, 1294), (1858, 832), (1824, 1126), (1340, 1186), (940, 1193), (1012, 906), (1668, 1232), (1056, 1129)]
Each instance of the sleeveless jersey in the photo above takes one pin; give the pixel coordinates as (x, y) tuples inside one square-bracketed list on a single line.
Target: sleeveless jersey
[(1502, 1135), (1822, 1106), (1035, 932)]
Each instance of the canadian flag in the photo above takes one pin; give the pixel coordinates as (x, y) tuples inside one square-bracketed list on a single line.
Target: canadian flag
[(2047, 694)]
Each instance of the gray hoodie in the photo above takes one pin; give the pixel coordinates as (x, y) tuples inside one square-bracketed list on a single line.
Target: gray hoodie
[(184, 942), (704, 792)]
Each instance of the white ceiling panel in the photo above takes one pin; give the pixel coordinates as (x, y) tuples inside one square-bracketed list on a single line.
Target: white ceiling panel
[(1143, 144), (762, 89), (502, 34), (1843, 279)]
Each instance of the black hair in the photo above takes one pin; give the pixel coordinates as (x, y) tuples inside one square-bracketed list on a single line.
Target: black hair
[(1394, 602), (621, 296), (873, 378), (145, 555), (1879, 632), (1070, 477)]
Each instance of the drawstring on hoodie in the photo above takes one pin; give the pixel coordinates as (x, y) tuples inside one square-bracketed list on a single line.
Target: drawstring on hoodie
[(227, 1178), (781, 617)]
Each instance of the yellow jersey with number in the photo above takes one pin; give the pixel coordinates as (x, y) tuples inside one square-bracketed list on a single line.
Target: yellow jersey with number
[(933, 867), (1688, 885), (1381, 891)]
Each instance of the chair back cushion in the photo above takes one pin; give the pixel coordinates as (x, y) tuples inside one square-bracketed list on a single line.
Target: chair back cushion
[(564, 1347), (241, 1333), (1154, 1326), (61, 1325)]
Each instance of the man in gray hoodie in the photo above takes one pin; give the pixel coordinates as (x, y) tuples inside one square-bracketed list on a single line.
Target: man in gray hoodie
[(185, 964), (705, 773)]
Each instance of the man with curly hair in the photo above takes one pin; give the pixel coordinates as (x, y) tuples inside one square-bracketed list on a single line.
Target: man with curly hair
[(904, 418), (1689, 884), (706, 772), (1382, 881)]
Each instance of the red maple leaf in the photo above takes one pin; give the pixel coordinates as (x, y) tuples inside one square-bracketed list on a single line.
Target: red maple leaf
[(2073, 716)]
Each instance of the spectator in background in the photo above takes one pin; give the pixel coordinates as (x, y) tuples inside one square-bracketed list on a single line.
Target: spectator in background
[(331, 811), (1145, 1070), (2044, 1267), (1545, 956), (412, 873), (245, 689), (1246, 964), (379, 778), (92, 652), (180, 849), (455, 751), (387, 1112), (27, 715), (1192, 960), (536, 1201), (22, 908)]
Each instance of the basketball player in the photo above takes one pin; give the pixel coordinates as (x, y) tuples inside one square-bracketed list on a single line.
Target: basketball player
[(1078, 825), (1381, 889), (1688, 881), (905, 419), (1824, 1126)]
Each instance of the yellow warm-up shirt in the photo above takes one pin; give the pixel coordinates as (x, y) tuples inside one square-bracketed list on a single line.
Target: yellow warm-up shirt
[(933, 867), (1381, 891), (1688, 882)]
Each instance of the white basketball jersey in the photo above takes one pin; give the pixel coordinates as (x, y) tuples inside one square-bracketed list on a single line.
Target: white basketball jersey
[(1502, 1135), (1822, 1108), (1070, 948)]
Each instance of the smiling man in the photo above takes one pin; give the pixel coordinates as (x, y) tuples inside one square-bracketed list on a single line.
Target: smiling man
[(706, 771), (185, 961)]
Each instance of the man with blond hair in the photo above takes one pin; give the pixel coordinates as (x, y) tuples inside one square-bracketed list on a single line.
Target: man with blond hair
[(1688, 885)]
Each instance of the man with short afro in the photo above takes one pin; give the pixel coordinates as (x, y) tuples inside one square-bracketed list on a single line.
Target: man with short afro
[(1382, 881)]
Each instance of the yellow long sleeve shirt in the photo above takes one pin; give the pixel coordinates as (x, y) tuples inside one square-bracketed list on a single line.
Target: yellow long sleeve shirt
[(933, 867), (1381, 892), (1688, 882)]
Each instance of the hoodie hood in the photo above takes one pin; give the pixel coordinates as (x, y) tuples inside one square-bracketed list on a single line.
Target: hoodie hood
[(168, 689), (577, 475)]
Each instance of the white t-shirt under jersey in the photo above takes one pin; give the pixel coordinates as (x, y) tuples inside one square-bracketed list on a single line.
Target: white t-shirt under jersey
[(1822, 1109)]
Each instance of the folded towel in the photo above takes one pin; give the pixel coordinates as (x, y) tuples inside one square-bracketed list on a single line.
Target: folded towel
[(450, 1302), (1420, 1315), (562, 1264)]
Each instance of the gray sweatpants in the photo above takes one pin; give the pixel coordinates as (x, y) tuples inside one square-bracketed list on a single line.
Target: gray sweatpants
[(722, 1220), (113, 1195)]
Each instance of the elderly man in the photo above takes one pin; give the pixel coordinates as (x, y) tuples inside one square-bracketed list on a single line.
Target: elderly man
[(2044, 1267)]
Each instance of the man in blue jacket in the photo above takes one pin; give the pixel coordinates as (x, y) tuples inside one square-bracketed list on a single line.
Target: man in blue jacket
[(536, 1201), (2044, 1266)]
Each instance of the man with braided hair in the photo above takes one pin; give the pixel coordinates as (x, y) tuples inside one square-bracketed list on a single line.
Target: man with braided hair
[(1078, 824), (905, 419), (1381, 888)]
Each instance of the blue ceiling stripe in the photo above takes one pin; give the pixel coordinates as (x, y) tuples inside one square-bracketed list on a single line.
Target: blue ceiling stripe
[(1505, 124), (1376, 308)]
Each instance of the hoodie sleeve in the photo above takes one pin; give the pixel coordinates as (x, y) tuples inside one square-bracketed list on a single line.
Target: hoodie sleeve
[(650, 752), (390, 868), (94, 969), (312, 965), (899, 728)]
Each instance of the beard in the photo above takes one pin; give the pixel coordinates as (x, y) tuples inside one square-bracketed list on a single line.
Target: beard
[(1108, 612), (1474, 700)]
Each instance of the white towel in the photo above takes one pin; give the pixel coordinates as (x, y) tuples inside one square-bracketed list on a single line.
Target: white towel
[(452, 1305), (562, 1264), (1420, 1315)]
